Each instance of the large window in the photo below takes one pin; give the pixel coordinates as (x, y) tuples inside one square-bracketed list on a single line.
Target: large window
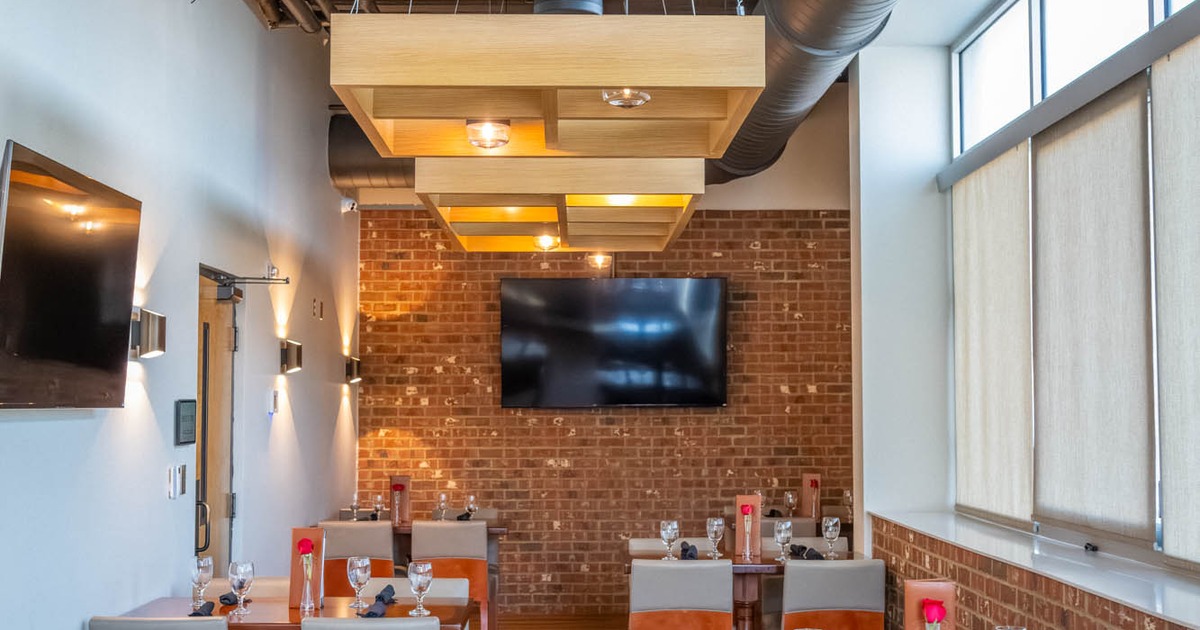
[(1079, 34), (995, 75)]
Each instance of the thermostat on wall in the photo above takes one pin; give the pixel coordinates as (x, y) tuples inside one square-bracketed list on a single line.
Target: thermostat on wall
[(185, 422)]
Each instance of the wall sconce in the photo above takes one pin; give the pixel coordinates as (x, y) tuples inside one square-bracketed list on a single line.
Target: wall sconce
[(600, 260), (291, 356), (353, 375), (147, 334)]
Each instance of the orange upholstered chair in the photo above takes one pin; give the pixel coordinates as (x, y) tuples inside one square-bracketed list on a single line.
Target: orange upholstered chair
[(456, 549), (681, 595), (843, 594), (346, 539)]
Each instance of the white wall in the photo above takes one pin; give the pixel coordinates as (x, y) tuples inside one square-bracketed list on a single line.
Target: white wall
[(900, 138), (219, 128)]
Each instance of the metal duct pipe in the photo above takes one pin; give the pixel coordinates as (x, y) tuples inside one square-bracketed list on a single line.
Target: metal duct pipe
[(595, 7), (304, 15), (809, 44), (354, 163)]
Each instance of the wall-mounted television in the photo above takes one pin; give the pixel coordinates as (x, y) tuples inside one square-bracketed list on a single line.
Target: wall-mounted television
[(68, 252), (607, 342)]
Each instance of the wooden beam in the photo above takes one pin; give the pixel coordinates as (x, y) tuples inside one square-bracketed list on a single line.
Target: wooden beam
[(683, 221), (521, 176), (456, 103), (721, 133), (564, 234), (511, 228), (494, 200), (535, 214), (456, 241), (665, 103), (622, 229), (608, 214), (636, 137), (550, 117)]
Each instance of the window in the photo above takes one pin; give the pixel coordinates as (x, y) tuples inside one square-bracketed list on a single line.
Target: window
[(995, 84), (1078, 34)]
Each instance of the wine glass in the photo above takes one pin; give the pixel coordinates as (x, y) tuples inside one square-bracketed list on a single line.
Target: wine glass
[(472, 506), (669, 531), (716, 530), (420, 576), (241, 578), (831, 527), (354, 507), (789, 502), (783, 536), (378, 504), (202, 574), (358, 570), (439, 513)]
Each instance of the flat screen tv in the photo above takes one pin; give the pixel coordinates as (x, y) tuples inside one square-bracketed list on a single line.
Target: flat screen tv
[(68, 250), (607, 342)]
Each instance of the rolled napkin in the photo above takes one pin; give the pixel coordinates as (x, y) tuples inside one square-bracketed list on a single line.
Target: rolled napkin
[(378, 609), (805, 553), (205, 610), (773, 513), (230, 599), (387, 595), (465, 516), (688, 552)]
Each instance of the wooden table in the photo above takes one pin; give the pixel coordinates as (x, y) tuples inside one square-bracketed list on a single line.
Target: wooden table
[(273, 613)]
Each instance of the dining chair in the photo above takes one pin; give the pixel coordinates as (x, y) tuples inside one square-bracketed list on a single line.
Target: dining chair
[(271, 586), (439, 588), (457, 549), (389, 623), (697, 595), (772, 585), (345, 539), (160, 623), (846, 594)]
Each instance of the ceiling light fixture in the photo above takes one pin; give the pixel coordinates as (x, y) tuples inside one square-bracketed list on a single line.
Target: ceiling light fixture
[(625, 98), (291, 356), (546, 242), (488, 134)]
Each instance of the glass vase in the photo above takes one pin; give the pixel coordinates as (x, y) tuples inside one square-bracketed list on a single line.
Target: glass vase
[(307, 605)]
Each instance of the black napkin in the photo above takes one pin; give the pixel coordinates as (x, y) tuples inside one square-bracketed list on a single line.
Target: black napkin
[(805, 553), (230, 598), (387, 595), (374, 516), (688, 552), (773, 513), (378, 609), (205, 610), (465, 516)]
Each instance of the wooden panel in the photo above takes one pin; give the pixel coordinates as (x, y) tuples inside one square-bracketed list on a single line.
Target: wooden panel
[(560, 176), (607, 214), (510, 228), (648, 138), (722, 132), (675, 201), (461, 103), (684, 218), (550, 115), (494, 200), (664, 103), (621, 229), (538, 214), (218, 316)]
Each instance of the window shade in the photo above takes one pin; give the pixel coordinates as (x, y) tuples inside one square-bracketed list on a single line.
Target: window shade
[(1094, 451), (1176, 90), (992, 343)]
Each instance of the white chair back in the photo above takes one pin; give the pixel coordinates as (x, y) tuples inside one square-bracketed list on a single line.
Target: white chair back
[(691, 585), (271, 586), (439, 588), (449, 539), (344, 539), (848, 585), (172, 623)]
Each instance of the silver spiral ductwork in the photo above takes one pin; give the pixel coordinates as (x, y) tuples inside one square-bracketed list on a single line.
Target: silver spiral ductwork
[(809, 44), (595, 7), (354, 163)]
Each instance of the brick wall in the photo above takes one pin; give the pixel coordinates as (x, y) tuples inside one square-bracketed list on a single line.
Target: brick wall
[(573, 484), (991, 592)]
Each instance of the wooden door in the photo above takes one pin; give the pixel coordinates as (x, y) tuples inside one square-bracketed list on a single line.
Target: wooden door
[(214, 420)]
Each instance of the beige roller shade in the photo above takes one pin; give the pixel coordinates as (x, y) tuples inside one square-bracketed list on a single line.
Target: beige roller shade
[(1176, 90), (1093, 386), (993, 388)]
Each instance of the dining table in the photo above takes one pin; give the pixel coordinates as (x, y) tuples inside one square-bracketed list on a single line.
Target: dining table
[(269, 613)]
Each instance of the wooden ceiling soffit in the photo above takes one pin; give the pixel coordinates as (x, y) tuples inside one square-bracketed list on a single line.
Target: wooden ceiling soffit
[(411, 81), (589, 204)]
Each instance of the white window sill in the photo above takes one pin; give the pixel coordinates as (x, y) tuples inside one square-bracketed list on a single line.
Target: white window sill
[(1160, 592)]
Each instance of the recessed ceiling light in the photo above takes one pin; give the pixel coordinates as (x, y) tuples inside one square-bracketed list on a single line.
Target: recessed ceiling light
[(625, 98)]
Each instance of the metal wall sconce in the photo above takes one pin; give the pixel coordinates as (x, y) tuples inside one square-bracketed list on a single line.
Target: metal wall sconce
[(291, 356), (147, 334), (353, 375)]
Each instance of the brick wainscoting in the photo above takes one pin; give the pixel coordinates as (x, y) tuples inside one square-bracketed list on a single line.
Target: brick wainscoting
[(573, 485), (991, 592)]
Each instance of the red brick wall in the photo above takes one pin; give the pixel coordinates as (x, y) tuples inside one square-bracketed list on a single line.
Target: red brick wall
[(991, 592), (573, 484)]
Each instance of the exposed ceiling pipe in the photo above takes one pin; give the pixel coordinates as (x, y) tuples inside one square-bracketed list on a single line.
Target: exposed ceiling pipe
[(354, 163), (595, 7), (327, 8), (809, 44), (303, 14)]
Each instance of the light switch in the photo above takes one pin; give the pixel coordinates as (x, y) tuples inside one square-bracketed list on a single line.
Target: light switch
[(176, 481)]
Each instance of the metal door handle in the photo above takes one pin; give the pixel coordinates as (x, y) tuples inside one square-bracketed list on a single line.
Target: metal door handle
[(202, 520)]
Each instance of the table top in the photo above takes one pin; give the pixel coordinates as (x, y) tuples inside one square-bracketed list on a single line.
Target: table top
[(493, 529), (273, 613)]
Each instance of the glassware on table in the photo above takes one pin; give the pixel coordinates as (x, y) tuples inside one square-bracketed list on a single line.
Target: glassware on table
[(241, 578), (848, 503), (669, 531), (378, 505), (354, 507), (439, 512), (789, 502), (716, 531), (472, 506), (783, 536), (358, 571), (420, 576), (202, 574), (831, 528)]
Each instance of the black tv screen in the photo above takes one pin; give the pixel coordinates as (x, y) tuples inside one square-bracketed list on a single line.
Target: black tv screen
[(601, 342), (68, 252)]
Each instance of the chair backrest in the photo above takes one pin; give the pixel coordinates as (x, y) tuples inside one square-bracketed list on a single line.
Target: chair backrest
[(270, 586), (846, 594), (697, 595), (456, 549), (841, 545), (389, 623), (344, 539), (162, 623), (439, 588)]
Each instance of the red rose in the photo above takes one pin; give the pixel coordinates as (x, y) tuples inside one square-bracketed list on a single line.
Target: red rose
[(305, 546), (747, 509), (933, 609), (397, 487), (812, 483)]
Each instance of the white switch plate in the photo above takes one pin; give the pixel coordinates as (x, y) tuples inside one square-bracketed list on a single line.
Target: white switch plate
[(176, 481)]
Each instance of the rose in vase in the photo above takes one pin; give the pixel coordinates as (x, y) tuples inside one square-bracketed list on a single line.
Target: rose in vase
[(934, 611)]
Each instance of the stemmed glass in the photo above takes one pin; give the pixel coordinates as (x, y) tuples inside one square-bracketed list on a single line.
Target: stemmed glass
[(241, 578), (789, 502), (378, 505), (420, 576), (716, 530), (358, 570), (831, 528), (472, 506), (354, 507), (669, 531), (439, 513), (202, 574), (783, 536)]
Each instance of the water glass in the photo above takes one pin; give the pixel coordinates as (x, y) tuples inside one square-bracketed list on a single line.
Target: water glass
[(439, 513), (358, 570), (472, 506), (716, 531), (783, 536), (669, 531), (378, 503), (420, 576), (202, 574), (354, 507), (831, 528), (789, 502), (241, 578)]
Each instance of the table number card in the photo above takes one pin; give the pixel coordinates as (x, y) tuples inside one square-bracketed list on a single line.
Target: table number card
[(755, 503), (296, 581), (917, 591), (400, 488)]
